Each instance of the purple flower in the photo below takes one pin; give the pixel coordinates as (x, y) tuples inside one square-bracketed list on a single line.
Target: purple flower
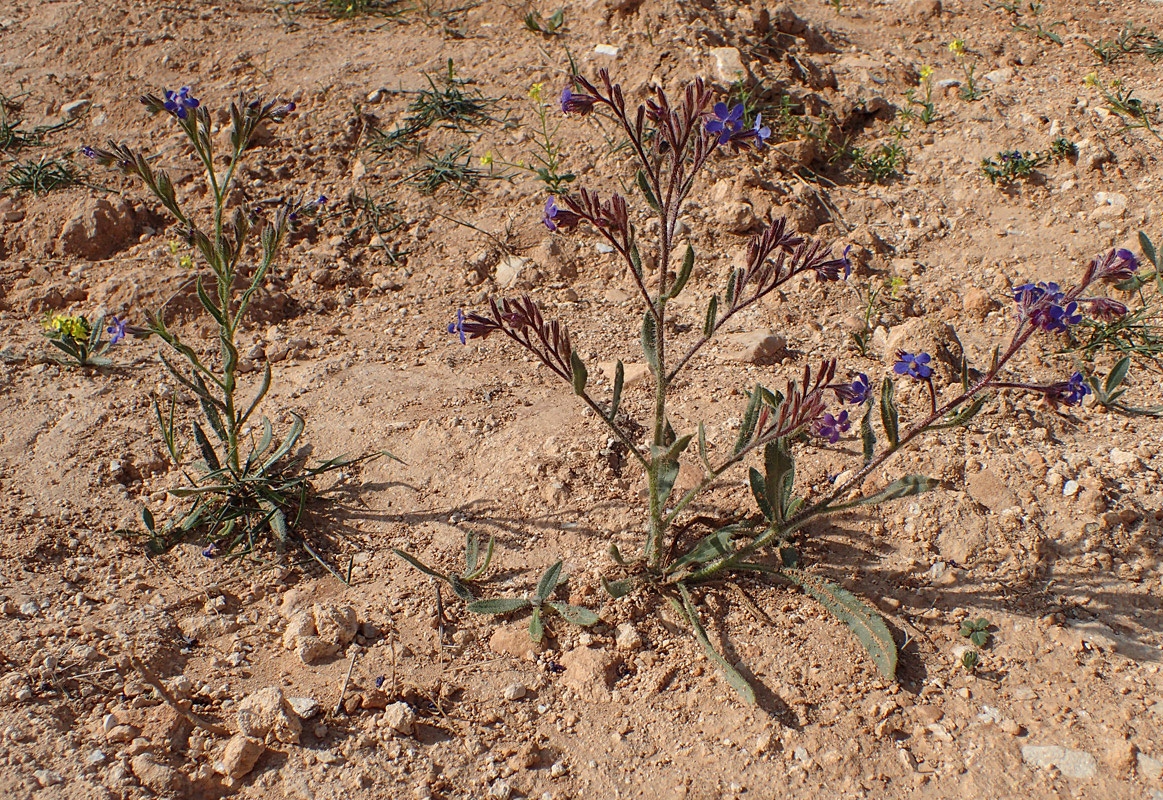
[(1068, 392), (727, 122), (830, 427), (762, 132), (1044, 305), (915, 365), (576, 103), (380, 682), (211, 550), (855, 392), (180, 103), (558, 217), (1117, 265), (88, 152), (116, 330), (458, 326), (830, 269)]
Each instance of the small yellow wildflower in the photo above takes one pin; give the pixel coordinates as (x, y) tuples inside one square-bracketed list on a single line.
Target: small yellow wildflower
[(487, 159), (957, 47), (926, 72), (535, 92), (1091, 79), (64, 325)]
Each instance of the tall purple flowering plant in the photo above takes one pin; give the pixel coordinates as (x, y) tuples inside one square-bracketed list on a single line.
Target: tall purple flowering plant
[(672, 141)]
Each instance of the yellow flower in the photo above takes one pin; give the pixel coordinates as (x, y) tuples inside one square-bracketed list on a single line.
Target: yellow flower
[(487, 159), (1091, 79), (535, 92), (69, 326), (926, 72), (957, 47)]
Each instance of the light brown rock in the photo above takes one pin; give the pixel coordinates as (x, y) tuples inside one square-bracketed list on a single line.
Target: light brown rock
[(988, 489), (241, 754), (266, 714)]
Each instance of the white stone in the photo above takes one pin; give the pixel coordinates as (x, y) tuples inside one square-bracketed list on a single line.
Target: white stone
[(1122, 457), (606, 50), (509, 270), (1070, 488), (1070, 762), (501, 790), (728, 64), (304, 707), (628, 637), (400, 718), (514, 691)]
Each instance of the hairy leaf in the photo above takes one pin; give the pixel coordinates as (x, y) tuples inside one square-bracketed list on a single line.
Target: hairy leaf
[(781, 476), (750, 417), (867, 437), (902, 487), (1117, 375), (499, 605), (616, 589), (868, 626), (647, 193), (710, 547), (536, 626), (737, 681), (650, 341), (575, 614), (548, 581), (580, 373), (889, 417), (684, 273), (712, 316), (759, 492), (619, 381), (420, 565)]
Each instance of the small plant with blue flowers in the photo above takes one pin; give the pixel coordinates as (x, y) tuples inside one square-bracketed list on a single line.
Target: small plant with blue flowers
[(82, 342), (673, 141), (248, 486)]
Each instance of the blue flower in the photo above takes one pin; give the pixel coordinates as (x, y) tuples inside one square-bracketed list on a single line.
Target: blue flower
[(1069, 392), (830, 427), (915, 365), (88, 152), (1044, 304), (211, 550), (576, 103), (763, 133), (558, 217), (180, 103), (458, 326), (116, 330), (855, 392), (727, 122)]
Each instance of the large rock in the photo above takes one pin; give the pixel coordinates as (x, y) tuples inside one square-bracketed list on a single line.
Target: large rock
[(1070, 762), (320, 631), (266, 714), (241, 754), (588, 670), (97, 228)]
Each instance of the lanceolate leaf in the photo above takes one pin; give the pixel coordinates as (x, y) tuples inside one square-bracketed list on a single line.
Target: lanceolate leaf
[(650, 341), (1148, 249), (1117, 375), (549, 581), (204, 446), (619, 380), (902, 487), (759, 492), (616, 589), (499, 605), (867, 437), (737, 681), (712, 316), (709, 548), (575, 614), (420, 565), (580, 373), (964, 415), (644, 186), (781, 475), (536, 627), (667, 475), (288, 443), (889, 417), (868, 626), (684, 273), (750, 417)]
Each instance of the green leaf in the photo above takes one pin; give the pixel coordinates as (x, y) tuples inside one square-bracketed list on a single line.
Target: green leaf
[(867, 437), (678, 447), (616, 589), (420, 565), (709, 548), (259, 395), (737, 681), (684, 273), (204, 446), (499, 605), (580, 373), (577, 615), (148, 520), (548, 581), (868, 626), (647, 193), (759, 492), (889, 417), (667, 475), (460, 589), (288, 443), (636, 259), (472, 549), (729, 296), (907, 486), (703, 449), (1148, 249), (650, 341), (781, 476), (1117, 375), (278, 523), (536, 626), (747, 425), (712, 316), (963, 416), (616, 554), (619, 381), (208, 304), (979, 638)]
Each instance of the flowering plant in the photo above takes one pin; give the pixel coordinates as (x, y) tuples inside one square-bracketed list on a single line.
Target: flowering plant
[(672, 143), (241, 489), (82, 341)]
